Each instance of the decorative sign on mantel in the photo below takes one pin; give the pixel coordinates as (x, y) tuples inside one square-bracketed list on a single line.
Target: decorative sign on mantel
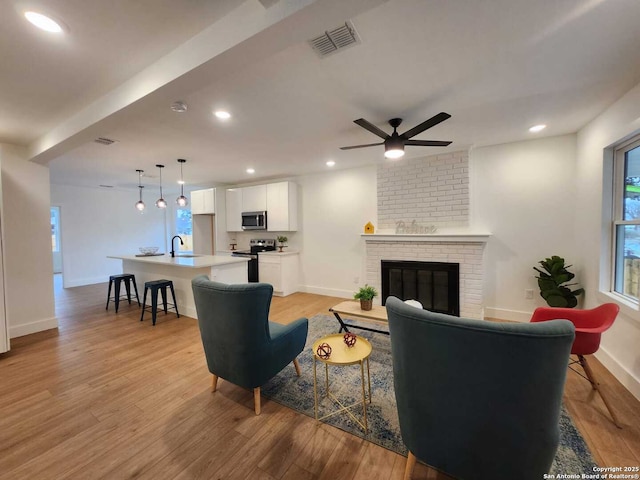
[(414, 228)]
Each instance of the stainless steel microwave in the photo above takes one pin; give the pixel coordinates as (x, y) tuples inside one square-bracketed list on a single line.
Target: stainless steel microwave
[(254, 220)]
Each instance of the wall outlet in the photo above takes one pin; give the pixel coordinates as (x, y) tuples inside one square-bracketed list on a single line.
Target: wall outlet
[(528, 293)]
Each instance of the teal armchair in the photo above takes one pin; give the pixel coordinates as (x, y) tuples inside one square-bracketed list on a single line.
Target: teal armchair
[(477, 399), (240, 343)]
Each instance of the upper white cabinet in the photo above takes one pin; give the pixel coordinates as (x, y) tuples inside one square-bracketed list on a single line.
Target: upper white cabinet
[(279, 200), (282, 207), (234, 209), (203, 202), (254, 199)]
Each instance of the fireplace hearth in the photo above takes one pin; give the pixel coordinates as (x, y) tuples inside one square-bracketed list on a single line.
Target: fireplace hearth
[(436, 285)]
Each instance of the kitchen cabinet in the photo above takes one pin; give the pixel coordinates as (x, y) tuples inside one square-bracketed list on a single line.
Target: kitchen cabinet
[(280, 270), (254, 199), (203, 202), (282, 207), (234, 209)]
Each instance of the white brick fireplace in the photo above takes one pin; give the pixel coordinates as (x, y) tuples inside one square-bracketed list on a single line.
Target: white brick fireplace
[(428, 192), (466, 250)]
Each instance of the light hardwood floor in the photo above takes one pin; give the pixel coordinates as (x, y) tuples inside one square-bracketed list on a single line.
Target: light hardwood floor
[(106, 396)]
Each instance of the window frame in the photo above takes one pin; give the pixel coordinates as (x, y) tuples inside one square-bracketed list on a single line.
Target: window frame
[(619, 192)]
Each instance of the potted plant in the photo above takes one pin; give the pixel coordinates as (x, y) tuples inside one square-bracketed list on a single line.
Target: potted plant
[(366, 295), (553, 283), (281, 240)]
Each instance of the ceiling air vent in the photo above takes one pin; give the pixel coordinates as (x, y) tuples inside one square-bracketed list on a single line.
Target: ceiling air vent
[(104, 141), (333, 40)]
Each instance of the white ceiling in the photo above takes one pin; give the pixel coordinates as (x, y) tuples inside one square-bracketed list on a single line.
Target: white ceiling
[(497, 66)]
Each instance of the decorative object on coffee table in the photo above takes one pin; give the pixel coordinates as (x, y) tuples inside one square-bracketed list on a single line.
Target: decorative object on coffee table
[(350, 339), (553, 283), (366, 295), (324, 351), (281, 240)]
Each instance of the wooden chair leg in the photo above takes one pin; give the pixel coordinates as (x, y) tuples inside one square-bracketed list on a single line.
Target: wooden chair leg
[(256, 400), (297, 365), (596, 387), (214, 382), (411, 463)]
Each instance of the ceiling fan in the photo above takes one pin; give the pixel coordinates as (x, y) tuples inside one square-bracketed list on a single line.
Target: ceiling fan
[(394, 144)]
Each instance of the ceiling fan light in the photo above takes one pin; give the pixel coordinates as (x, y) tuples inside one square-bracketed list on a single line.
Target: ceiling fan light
[(394, 153)]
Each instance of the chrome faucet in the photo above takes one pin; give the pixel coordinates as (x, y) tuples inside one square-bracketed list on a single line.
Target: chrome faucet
[(173, 253)]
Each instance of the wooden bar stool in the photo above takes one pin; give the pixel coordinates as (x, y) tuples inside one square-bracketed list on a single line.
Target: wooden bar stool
[(155, 286), (116, 280)]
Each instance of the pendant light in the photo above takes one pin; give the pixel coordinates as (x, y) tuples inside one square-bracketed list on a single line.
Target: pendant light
[(161, 203), (140, 203), (182, 200)]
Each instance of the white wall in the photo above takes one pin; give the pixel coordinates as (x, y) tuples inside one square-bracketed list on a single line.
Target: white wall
[(27, 249), (524, 194), (335, 207), (97, 222), (620, 347)]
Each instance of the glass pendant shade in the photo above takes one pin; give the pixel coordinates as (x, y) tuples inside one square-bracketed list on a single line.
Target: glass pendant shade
[(140, 204), (161, 202), (182, 201)]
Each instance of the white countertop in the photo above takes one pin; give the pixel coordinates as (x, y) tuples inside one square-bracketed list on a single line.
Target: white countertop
[(199, 261), (276, 253)]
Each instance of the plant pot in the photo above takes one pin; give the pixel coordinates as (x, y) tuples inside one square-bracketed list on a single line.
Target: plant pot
[(366, 304)]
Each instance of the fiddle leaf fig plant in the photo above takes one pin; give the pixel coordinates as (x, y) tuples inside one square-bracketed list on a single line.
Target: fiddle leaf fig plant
[(552, 280)]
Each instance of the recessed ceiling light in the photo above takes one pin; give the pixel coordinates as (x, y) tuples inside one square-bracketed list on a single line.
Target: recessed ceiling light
[(251, 170), (179, 107), (537, 128), (43, 22), (222, 115), (330, 163)]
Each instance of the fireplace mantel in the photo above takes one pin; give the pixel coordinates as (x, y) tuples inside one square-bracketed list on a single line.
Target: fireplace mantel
[(430, 237)]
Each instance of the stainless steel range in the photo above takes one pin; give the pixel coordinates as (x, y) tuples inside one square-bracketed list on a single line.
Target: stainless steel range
[(256, 245)]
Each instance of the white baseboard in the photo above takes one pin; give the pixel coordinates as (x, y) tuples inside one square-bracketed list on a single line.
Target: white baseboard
[(505, 314), (83, 281), (33, 327), (331, 292), (625, 377)]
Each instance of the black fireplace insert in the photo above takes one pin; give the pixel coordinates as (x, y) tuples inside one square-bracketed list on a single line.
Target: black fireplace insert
[(435, 285)]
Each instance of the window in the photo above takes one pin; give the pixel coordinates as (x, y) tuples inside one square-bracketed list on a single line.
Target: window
[(184, 228), (55, 229), (626, 224)]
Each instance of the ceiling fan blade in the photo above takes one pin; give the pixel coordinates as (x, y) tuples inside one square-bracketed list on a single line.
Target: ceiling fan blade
[(361, 146), (427, 143), (432, 122), (372, 128)]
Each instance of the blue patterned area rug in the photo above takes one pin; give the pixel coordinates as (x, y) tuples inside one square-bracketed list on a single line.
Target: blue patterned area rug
[(573, 456)]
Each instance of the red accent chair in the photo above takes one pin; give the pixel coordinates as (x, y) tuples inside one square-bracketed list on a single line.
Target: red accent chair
[(589, 327)]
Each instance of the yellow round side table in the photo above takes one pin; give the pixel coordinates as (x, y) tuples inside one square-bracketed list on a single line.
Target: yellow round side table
[(342, 355)]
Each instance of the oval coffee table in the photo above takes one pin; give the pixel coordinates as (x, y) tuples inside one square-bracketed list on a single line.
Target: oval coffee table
[(342, 355)]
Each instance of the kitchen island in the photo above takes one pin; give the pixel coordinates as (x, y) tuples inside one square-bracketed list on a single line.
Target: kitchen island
[(181, 270)]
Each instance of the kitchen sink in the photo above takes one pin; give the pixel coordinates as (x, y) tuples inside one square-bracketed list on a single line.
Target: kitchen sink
[(186, 255)]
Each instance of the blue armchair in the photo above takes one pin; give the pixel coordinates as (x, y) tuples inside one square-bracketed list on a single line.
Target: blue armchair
[(240, 343), (476, 399)]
